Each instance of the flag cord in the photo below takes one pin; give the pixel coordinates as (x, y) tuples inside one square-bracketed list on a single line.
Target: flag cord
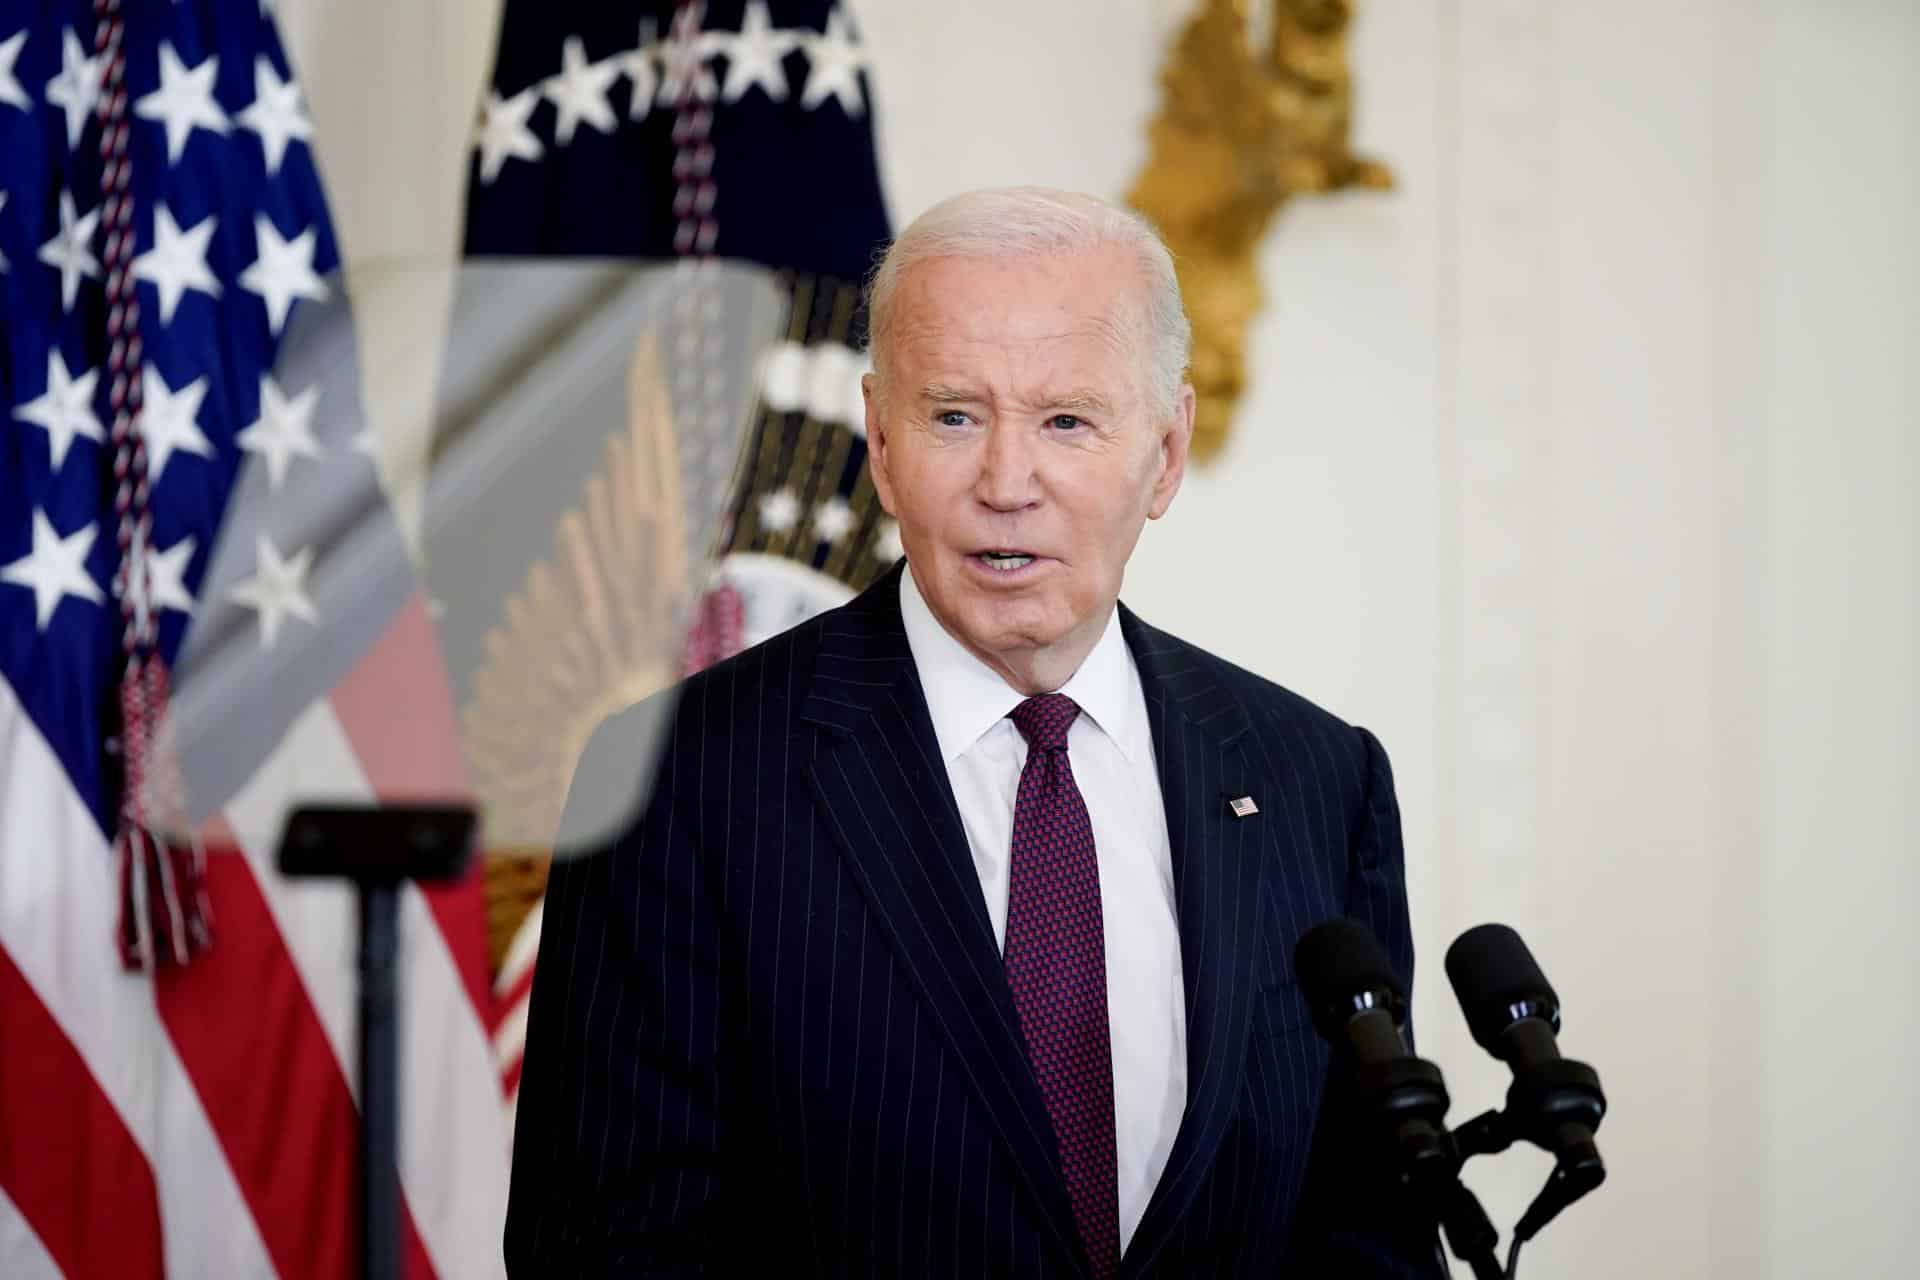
[(177, 912)]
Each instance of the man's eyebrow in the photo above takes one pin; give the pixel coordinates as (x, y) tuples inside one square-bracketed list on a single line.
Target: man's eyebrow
[(1079, 400)]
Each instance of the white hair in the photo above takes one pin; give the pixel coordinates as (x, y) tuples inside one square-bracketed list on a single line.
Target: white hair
[(1008, 222)]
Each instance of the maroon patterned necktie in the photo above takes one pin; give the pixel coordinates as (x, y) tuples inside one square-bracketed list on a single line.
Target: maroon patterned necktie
[(1057, 966)]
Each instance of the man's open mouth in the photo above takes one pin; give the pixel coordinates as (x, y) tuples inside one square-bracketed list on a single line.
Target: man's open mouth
[(1004, 561)]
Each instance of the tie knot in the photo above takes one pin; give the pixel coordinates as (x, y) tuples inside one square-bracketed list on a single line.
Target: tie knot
[(1043, 721)]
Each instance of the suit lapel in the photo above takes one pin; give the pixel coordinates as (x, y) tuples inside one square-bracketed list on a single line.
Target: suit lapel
[(1217, 888), (884, 792)]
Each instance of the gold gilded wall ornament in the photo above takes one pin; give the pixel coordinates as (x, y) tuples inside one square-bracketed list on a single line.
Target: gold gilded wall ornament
[(1239, 130)]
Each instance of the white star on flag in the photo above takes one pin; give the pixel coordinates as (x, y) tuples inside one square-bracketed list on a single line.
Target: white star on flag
[(282, 272), (684, 62), (10, 91), (833, 67), (77, 88), (64, 409), (183, 100), (283, 429), (753, 56), (178, 261), (641, 66), (783, 376), (160, 580), (833, 384), (168, 420), (69, 251), (779, 510), (579, 92), (886, 542), (276, 589), (276, 114), (503, 132), (832, 520), (55, 568)]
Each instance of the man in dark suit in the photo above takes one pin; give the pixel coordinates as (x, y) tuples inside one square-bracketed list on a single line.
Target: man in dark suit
[(954, 937)]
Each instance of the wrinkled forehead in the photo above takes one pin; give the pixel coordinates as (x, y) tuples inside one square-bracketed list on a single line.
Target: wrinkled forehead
[(1019, 318)]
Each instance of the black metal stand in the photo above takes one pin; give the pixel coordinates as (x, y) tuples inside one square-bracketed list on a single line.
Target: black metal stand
[(1411, 1094), (1577, 1169), (379, 849), (1577, 1163), (1470, 1234), (1408, 1099), (379, 1082), (1450, 1204)]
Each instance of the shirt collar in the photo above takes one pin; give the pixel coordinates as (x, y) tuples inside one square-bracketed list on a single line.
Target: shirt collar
[(966, 697)]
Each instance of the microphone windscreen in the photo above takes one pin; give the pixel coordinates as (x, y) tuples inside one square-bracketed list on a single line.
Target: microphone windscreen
[(1492, 971), (1337, 958)]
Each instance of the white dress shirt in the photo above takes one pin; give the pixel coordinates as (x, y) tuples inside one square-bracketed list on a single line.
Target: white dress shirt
[(1111, 748)]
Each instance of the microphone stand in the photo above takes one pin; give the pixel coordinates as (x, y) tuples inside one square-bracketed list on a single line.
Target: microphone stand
[(1451, 1204), (1577, 1168), (1409, 1098)]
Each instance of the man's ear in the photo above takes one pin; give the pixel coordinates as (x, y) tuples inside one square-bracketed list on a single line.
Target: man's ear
[(878, 457), (1174, 443)]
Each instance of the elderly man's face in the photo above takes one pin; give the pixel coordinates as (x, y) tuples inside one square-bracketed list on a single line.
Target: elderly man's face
[(1014, 443)]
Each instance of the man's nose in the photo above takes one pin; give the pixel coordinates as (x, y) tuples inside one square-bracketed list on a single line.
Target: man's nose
[(1006, 480)]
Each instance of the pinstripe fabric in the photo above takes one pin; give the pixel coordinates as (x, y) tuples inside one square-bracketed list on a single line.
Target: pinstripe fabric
[(770, 1029)]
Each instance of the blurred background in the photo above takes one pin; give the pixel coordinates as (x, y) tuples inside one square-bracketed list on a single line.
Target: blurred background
[(1583, 390)]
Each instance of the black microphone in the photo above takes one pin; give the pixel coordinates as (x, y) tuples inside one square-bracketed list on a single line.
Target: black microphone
[(1554, 1102), (1358, 1007)]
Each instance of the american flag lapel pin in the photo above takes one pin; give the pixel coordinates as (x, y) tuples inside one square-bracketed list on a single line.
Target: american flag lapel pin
[(1243, 807)]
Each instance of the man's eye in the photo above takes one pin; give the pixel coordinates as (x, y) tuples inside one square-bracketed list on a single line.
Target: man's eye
[(951, 418), (1066, 422)]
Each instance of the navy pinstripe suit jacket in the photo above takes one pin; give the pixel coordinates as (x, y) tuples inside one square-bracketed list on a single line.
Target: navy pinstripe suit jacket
[(771, 1034)]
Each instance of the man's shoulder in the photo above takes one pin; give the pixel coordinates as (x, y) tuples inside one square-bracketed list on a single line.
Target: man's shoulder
[(756, 691), (774, 669), (770, 680), (758, 687), (1274, 712)]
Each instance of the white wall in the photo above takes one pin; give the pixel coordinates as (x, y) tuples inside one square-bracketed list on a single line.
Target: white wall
[(1580, 467), (1842, 624)]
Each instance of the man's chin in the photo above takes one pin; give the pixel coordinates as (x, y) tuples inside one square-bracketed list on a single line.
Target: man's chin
[(1009, 637)]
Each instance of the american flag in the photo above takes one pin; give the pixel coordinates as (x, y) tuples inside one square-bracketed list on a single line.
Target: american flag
[(692, 130), (186, 485)]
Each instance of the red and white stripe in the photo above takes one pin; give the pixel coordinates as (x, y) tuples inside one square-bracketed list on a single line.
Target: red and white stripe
[(200, 1121), (513, 993)]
